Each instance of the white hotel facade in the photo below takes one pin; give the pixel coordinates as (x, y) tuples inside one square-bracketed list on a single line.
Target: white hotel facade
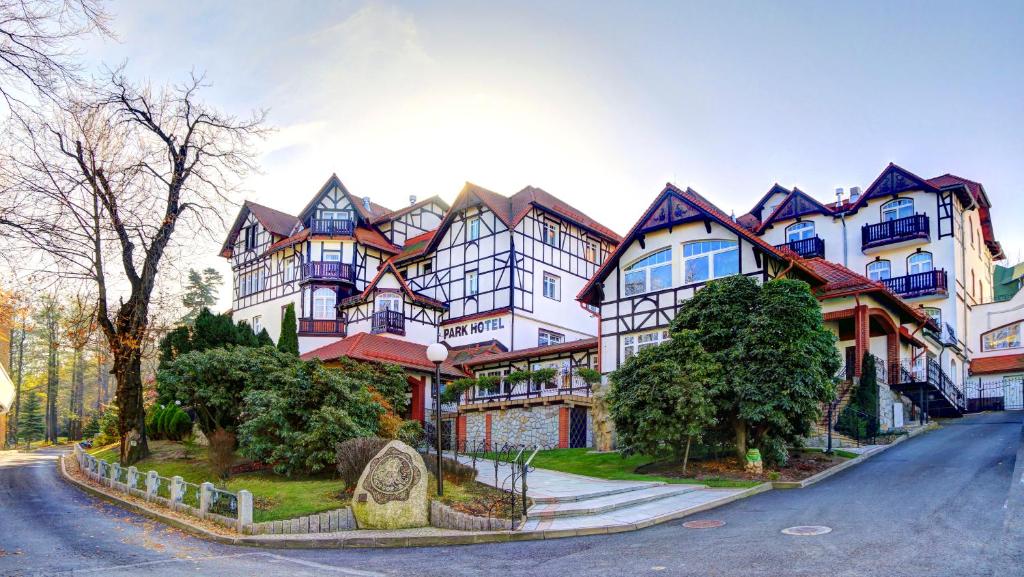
[(527, 281)]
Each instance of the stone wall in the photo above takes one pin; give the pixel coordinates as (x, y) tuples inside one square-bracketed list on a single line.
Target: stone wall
[(329, 522), (444, 517), (526, 426)]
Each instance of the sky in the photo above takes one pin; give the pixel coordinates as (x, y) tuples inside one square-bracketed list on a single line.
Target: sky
[(600, 103)]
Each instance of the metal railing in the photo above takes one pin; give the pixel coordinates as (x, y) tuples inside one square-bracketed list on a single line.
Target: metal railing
[(897, 230), (332, 226), (328, 270), (388, 322), (918, 284), (504, 391), (806, 247), (931, 373)]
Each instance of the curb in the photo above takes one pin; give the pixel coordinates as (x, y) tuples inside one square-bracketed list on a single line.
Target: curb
[(931, 426), (338, 540)]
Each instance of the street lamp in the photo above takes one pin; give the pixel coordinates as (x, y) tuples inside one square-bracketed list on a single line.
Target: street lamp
[(437, 353)]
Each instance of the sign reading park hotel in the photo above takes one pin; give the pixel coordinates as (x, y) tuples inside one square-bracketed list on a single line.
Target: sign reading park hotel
[(473, 328)]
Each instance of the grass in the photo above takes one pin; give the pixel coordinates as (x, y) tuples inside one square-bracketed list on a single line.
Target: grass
[(276, 497), (616, 467)]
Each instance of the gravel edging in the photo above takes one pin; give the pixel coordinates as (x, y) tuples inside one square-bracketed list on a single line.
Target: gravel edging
[(931, 426), (425, 537)]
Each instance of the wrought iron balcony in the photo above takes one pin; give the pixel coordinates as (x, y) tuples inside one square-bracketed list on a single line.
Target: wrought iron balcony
[(893, 231), (918, 284), (332, 226), (322, 327), (388, 322), (328, 270), (806, 247)]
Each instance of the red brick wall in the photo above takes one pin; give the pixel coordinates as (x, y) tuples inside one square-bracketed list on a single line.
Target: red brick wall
[(563, 428), (487, 430), (460, 432)]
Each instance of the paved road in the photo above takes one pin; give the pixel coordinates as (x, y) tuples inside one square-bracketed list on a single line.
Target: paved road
[(942, 504)]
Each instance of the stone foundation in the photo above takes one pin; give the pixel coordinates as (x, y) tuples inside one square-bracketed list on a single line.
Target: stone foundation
[(519, 426)]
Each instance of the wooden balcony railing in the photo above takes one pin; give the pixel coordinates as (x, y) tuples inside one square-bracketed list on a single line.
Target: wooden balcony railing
[(806, 247), (332, 226), (505, 392), (328, 270), (322, 327), (918, 284), (893, 231), (392, 322)]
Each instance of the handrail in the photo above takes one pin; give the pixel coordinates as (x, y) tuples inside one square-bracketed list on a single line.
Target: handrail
[(388, 321), (332, 226), (328, 270), (897, 230), (806, 247)]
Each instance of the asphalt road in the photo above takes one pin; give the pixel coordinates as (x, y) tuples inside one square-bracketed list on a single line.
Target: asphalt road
[(946, 503)]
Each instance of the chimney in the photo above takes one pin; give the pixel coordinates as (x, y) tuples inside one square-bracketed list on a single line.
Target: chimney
[(412, 199), (366, 202), (854, 193), (839, 196)]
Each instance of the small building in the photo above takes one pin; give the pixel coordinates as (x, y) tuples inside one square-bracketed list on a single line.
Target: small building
[(997, 369)]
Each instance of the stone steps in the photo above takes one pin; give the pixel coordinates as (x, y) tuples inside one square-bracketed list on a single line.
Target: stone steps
[(599, 505)]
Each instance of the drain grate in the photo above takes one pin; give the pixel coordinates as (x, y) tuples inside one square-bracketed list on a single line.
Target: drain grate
[(703, 524), (807, 530)]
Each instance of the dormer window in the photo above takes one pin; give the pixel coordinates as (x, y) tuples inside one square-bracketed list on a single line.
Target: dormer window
[(251, 234), (650, 273), (549, 233), (799, 231), (896, 209)]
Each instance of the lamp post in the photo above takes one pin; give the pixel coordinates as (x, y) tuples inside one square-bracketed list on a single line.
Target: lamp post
[(437, 353)]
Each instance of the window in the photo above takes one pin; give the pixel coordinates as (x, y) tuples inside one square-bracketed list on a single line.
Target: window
[(472, 286), (970, 228), (473, 229), (250, 237), (707, 259), (972, 283), (330, 255), (799, 231), (632, 344), (549, 233), (250, 282), (496, 388), (935, 314), (919, 262), (650, 273), (1008, 337), (879, 270), (335, 215), (552, 286), (592, 252), (899, 208), (427, 268), (323, 304), (389, 302), (546, 337), (257, 324), (289, 268)]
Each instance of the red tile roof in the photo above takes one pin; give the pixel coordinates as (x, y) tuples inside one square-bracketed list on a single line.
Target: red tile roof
[(293, 239), (389, 266), (569, 347), (984, 205), (371, 237), (999, 364), (416, 245), (842, 281), (277, 222), (382, 349)]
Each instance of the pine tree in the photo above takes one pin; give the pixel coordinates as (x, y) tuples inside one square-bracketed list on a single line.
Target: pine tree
[(200, 292), (289, 339), (32, 425), (263, 339)]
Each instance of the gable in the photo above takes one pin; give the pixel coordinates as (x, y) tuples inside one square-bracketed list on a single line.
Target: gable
[(797, 204), (672, 210), (895, 180)]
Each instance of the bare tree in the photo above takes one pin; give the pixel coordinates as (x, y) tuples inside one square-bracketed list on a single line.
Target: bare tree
[(99, 190), (79, 326)]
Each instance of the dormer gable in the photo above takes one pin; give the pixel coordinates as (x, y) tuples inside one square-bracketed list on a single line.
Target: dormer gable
[(796, 204)]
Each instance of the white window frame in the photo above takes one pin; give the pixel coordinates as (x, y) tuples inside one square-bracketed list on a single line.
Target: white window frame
[(547, 337), (257, 324), (635, 269), (935, 313), (552, 286), (288, 263), (473, 228), (549, 232), (592, 251), (388, 302), (1007, 337), (332, 252), (894, 209), (875, 265), (635, 342), (502, 386), (798, 231), (915, 267), (709, 251), (324, 308), (335, 214), (472, 283)]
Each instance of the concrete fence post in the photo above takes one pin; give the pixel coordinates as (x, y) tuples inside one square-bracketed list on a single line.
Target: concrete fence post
[(176, 489), (244, 512), (205, 496), (151, 481), (133, 477), (115, 473)]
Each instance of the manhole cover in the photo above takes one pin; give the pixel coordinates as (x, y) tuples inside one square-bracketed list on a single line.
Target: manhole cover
[(807, 530), (703, 524)]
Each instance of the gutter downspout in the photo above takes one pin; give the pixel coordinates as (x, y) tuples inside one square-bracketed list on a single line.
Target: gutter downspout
[(842, 218)]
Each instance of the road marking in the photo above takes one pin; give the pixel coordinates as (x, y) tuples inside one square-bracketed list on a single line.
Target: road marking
[(310, 564)]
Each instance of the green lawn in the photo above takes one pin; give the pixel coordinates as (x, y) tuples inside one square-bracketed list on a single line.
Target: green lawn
[(276, 497), (615, 466)]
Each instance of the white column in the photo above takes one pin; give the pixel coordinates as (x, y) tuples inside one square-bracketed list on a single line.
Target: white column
[(205, 493), (151, 482), (244, 511), (176, 488)]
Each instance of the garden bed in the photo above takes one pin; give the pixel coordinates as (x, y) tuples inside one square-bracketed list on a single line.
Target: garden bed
[(802, 464)]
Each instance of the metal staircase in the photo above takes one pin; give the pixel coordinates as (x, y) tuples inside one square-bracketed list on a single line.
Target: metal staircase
[(929, 388)]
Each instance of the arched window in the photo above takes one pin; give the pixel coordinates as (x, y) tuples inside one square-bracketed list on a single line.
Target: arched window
[(389, 302), (919, 262), (650, 273), (707, 259), (324, 300), (799, 231), (899, 208), (879, 270)]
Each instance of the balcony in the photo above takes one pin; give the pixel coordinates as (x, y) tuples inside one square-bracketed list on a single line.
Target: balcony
[(907, 230), (392, 322), (806, 247), (332, 226), (528, 393), (322, 327), (928, 386), (919, 284), (328, 270)]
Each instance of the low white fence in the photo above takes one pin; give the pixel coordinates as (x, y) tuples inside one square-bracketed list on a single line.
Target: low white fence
[(204, 501)]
